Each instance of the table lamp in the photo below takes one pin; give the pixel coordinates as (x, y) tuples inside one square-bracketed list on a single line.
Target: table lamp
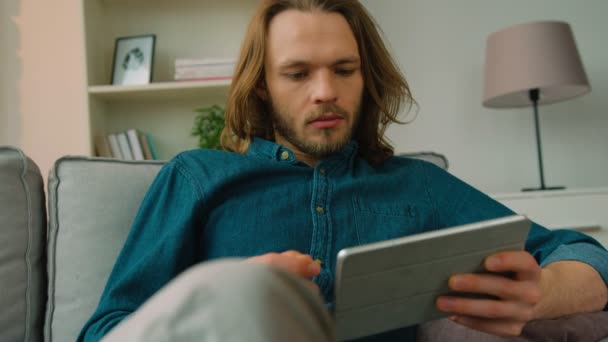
[(530, 65)]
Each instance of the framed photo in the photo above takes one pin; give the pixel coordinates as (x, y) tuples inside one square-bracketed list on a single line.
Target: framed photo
[(133, 60)]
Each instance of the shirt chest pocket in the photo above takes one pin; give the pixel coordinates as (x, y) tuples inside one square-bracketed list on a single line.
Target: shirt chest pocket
[(378, 221)]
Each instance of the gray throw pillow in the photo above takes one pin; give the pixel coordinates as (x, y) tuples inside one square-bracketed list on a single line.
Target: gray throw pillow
[(92, 203)]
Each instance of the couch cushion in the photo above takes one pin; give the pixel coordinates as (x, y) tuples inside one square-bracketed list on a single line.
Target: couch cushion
[(22, 248), (584, 327), (92, 203)]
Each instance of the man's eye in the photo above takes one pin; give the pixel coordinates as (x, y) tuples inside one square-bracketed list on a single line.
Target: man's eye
[(296, 75), (345, 72)]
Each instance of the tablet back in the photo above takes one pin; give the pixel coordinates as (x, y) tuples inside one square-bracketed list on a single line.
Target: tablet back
[(394, 283)]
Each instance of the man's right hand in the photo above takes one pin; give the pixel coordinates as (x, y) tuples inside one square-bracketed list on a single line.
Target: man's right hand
[(293, 262)]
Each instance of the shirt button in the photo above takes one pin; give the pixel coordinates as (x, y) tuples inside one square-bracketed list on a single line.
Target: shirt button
[(322, 171), (284, 155), (320, 210)]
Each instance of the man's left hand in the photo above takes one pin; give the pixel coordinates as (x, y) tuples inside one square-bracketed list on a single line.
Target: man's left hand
[(517, 296)]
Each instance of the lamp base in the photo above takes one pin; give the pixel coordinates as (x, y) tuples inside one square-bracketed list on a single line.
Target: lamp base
[(544, 188)]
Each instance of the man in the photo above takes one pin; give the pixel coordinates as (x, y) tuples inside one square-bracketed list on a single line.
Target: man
[(310, 173)]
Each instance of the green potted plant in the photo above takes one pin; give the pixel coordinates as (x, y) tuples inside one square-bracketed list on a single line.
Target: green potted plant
[(208, 126)]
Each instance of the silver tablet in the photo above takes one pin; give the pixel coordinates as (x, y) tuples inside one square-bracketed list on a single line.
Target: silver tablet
[(394, 283)]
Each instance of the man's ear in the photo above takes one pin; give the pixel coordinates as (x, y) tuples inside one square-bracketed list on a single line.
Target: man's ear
[(261, 90)]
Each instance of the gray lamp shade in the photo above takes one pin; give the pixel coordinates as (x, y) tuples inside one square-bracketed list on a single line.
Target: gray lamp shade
[(539, 55)]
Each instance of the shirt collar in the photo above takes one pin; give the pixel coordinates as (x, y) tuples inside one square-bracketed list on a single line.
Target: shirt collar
[(273, 151)]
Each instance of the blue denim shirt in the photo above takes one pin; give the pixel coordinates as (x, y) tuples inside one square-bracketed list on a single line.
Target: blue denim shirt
[(207, 204)]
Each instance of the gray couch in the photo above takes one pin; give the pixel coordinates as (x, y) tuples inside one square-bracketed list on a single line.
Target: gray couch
[(51, 282), (51, 275)]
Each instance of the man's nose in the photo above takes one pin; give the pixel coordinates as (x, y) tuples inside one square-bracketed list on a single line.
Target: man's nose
[(324, 88)]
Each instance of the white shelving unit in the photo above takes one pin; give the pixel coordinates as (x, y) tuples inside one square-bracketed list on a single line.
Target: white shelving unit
[(579, 209), (184, 29)]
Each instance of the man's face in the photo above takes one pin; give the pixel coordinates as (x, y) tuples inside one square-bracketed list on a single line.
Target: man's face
[(313, 82)]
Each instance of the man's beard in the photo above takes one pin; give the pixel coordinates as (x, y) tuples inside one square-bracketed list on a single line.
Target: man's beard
[(285, 128)]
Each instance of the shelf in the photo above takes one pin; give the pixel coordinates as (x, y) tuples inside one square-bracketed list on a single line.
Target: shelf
[(160, 90), (165, 108)]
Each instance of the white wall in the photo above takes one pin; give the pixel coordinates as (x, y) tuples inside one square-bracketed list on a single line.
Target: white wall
[(10, 118), (441, 44), (42, 78), (52, 87)]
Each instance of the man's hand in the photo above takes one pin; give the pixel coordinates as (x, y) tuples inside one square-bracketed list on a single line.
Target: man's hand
[(517, 296), (294, 262)]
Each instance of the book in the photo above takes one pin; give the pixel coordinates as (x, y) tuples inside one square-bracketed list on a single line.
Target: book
[(151, 145), (114, 146), (144, 146), (209, 68), (204, 79), (136, 148), (204, 72), (219, 66), (125, 148), (184, 62), (102, 146)]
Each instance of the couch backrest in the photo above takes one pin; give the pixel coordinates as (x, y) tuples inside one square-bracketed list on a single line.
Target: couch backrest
[(92, 203), (431, 157), (22, 248)]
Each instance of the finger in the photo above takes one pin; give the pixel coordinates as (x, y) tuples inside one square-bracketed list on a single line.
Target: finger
[(499, 286), (301, 266), (485, 308), (313, 286), (307, 260), (294, 253), (520, 262), (491, 326)]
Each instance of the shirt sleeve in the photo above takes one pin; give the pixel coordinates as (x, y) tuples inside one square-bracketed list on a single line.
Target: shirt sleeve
[(456, 203), (165, 239)]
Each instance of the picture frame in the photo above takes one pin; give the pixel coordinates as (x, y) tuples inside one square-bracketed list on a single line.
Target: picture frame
[(133, 60)]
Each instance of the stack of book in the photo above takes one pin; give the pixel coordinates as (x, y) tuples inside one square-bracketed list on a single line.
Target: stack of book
[(128, 145), (204, 69)]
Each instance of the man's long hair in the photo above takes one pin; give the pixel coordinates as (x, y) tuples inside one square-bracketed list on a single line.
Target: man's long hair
[(385, 87)]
